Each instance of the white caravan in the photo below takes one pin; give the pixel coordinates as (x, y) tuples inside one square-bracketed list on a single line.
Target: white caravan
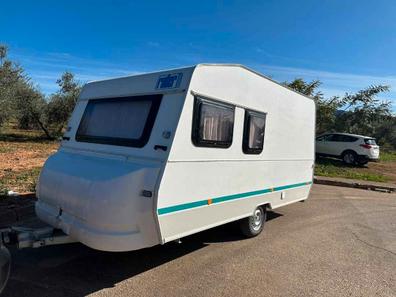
[(151, 158)]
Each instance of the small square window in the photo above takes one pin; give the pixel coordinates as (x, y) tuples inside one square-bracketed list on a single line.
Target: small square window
[(253, 134), (213, 123)]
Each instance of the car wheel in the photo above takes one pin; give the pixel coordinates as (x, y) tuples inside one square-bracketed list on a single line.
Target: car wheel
[(349, 157), (252, 226)]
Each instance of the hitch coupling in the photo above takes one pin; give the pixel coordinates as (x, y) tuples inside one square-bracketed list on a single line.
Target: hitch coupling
[(23, 237)]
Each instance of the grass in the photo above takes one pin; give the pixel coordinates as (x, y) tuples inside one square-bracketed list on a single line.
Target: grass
[(336, 168), (388, 156)]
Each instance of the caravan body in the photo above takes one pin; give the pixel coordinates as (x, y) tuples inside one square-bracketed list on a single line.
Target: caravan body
[(151, 158)]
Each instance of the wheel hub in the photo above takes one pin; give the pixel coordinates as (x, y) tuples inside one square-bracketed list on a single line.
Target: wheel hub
[(257, 219), (349, 158)]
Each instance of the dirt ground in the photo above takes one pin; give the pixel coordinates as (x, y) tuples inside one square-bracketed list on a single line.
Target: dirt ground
[(22, 154), (26, 155), (387, 169)]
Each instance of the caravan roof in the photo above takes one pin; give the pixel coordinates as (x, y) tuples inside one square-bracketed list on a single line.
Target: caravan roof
[(192, 68)]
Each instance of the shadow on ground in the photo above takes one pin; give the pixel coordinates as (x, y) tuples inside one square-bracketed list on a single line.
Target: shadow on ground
[(76, 270), (15, 137), (336, 163)]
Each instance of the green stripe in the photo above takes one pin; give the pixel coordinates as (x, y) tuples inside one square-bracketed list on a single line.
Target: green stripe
[(179, 207)]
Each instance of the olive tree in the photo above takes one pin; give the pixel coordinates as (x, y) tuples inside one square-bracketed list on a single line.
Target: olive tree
[(61, 104), (360, 113)]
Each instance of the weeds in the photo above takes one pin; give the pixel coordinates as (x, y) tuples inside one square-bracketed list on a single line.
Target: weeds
[(388, 156)]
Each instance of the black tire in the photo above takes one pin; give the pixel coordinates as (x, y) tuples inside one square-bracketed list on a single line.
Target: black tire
[(252, 226), (349, 157)]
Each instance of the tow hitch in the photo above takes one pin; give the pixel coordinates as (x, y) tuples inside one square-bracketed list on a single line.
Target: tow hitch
[(23, 237)]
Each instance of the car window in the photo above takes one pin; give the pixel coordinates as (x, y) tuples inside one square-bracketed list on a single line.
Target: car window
[(347, 138), (329, 137), (370, 141), (323, 138), (338, 138)]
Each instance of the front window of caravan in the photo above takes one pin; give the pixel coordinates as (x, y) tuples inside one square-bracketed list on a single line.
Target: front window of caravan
[(213, 123), (124, 121)]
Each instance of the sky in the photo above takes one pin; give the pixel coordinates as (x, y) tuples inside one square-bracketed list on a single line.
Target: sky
[(347, 44)]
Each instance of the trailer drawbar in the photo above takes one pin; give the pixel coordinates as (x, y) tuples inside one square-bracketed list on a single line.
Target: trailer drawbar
[(23, 237)]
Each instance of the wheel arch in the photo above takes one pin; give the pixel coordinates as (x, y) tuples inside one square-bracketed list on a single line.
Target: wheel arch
[(266, 205)]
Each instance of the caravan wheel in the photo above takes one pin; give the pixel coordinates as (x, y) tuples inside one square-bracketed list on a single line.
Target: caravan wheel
[(252, 226)]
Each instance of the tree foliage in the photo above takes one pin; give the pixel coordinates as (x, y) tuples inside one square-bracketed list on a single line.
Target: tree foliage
[(23, 102), (29, 104), (11, 79), (61, 104), (358, 113)]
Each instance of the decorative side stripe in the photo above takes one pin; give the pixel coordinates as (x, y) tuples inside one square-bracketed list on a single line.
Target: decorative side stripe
[(210, 201)]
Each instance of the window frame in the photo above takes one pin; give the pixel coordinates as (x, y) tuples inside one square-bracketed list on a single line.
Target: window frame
[(246, 131), (128, 142), (195, 133)]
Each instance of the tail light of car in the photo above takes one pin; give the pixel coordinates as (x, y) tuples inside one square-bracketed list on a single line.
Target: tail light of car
[(366, 146)]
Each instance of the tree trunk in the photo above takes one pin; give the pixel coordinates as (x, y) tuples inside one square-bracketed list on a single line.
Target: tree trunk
[(47, 133), (49, 136)]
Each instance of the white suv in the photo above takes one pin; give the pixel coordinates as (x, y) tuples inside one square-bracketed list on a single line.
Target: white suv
[(351, 148)]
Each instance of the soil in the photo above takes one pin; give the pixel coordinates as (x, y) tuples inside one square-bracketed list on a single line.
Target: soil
[(388, 169), (24, 156)]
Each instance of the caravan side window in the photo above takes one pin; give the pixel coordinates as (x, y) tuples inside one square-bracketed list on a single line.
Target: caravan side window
[(213, 123), (253, 133)]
